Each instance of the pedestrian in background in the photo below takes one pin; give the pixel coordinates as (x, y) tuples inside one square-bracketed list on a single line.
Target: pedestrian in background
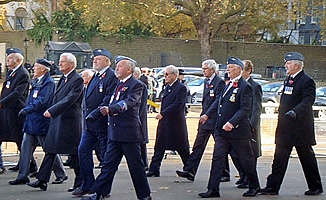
[(295, 128)]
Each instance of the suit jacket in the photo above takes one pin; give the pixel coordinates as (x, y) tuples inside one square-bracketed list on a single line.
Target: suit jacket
[(98, 92), (254, 115), (234, 107), (124, 122), (66, 116), (299, 97), (13, 97), (143, 114), (172, 131), (212, 92), (39, 99)]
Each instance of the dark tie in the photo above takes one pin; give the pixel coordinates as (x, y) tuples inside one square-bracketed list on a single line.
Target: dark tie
[(9, 73), (63, 80), (226, 87), (206, 82), (291, 80)]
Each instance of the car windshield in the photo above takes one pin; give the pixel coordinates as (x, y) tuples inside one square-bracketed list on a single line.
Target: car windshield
[(273, 87), (321, 92), (196, 82)]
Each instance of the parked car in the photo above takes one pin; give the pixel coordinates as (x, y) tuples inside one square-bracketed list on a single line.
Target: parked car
[(271, 94), (320, 101), (196, 89)]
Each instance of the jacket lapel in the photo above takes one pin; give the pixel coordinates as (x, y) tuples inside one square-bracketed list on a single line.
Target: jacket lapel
[(66, 81)]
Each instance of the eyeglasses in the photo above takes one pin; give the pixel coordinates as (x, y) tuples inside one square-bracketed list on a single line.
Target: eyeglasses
[(166, 74), (204, 68)]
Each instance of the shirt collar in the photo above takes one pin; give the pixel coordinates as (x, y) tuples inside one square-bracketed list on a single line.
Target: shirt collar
[(125, 79), (15, 69), (211, 78), (103, 70), (67, 74), (294, 75), (236, 78), (173, 82), (39, 78)]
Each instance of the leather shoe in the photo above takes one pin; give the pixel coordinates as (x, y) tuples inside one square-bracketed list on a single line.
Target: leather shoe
[(239, 181), (251, 192), (33, 175), (2, 170), (18, 182), (313, 192), (243, 185), (146, 198), (39, 184), (209, 193), (225, 179), (96, 197), (186, 174), (153, 174), (79, 192), (72, 189), (60, 180), (14, 168), (268, 191)]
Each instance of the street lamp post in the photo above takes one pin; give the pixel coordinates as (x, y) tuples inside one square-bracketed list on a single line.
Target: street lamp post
[(26, 45)]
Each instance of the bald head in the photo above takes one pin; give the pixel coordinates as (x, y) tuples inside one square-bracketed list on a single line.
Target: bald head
[(87, 76)]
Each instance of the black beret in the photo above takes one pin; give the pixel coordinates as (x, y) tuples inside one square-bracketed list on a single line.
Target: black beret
[(119, 58), (44, 62), (235, 60), (13, 50), (102, 52), (293, 56)]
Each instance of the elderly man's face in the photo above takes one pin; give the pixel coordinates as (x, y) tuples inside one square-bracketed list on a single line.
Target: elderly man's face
[(64, 65), (11, 61), (87, 78), (169, 77), (291, 68), (233, 70), (207, 71), (39, 70), (100, 62), (122, 70)]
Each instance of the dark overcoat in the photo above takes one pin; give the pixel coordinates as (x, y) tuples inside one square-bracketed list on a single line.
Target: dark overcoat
[(124, 122), (254, 116), (172, 131), (99, 91), (66, 116), (234, 107), (143, 114), (212, 92), (13, 98), (38, 101), (299, 97)]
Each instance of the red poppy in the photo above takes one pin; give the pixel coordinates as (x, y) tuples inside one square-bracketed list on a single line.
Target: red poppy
[(103, 75), (235, 84), (211, 86), (66, 80)]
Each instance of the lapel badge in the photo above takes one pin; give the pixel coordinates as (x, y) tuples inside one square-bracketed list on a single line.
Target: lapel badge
[(124, 89), (235, 90), (8, 84), (211, 86), (35, 94), (232, 98)]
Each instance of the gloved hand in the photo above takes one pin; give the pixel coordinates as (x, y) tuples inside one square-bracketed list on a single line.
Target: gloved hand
[(291, 114), (90, 118), (22, 113)]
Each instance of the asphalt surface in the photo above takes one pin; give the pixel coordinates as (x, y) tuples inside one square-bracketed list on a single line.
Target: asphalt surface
[(169, 186)]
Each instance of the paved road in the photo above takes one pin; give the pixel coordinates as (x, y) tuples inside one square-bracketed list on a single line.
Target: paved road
[(169, 186)]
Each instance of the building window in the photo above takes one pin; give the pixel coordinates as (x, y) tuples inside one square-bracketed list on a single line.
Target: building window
[(19, 23), (301, 39), (312, 40), (323, 42), (302, 19), (313, 15)]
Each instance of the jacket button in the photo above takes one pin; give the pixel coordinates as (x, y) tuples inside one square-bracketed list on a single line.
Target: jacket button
[(113, 124), (108, 123), (219, 115), (221, 106)]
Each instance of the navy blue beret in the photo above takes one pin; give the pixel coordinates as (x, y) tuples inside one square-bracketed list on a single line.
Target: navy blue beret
[(44, 62), (102, 52), (293, 56), (235, 60), (119, 58), (13, 50)]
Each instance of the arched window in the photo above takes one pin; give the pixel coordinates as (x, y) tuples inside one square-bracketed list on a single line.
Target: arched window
[(20, 18)]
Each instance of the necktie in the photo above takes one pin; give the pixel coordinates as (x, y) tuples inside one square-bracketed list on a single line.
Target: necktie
[(207, 82), (9, 73), (63, 80), (226, 88)]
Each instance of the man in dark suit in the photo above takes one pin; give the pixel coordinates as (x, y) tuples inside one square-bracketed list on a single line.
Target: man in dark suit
[(172, 131), (36, 125), (254, 118), (295, 128), (233, 130), (66, 122), (13, 96), (212, 89), (124, 133), (98, 90)]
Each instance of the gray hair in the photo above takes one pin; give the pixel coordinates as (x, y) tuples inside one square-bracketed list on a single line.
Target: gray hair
[(299, 62), (137, 71), (173, 68), (18, 56), (70, 58), (131, 65), (211, 64), (88, 72)]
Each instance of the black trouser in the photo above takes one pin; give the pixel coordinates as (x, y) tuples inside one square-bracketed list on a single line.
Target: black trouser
[(308, 162), (242, 148), (44, 173), (198, 151)]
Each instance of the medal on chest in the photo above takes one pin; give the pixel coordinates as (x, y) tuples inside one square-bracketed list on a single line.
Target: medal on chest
[(211, 93), (35, 94), (232, 98), (288, 90), (100, 87), (8, 84)]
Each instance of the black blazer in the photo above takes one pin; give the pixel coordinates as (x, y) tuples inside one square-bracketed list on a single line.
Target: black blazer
[(66, 121), (299, 132), (234, 107), (96, 94)]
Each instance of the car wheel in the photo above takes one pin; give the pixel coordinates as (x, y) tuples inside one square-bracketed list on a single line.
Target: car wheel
[(194, 98), (322, 114), (271, 109)]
